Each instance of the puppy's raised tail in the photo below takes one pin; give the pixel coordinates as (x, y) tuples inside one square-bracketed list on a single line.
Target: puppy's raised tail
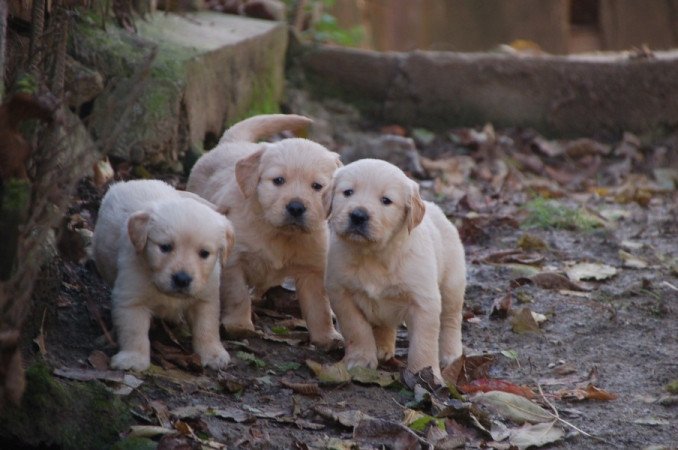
[(262, 126)]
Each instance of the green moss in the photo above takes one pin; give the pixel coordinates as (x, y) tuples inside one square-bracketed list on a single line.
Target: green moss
[(265, 98), (543, 213), (25, 83), (14, 200), (69, 415)]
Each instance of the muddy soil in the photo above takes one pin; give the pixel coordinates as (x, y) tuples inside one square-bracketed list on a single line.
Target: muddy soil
[(618, 334)]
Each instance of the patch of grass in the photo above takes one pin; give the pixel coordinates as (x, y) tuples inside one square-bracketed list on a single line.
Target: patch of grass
[(550, 214)]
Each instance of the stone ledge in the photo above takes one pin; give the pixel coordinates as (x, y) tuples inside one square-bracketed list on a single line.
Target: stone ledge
[(555, 94)]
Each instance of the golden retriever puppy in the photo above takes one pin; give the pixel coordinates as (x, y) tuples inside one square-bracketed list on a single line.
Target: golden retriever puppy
[(393, 258), (162, 250), (272, 193)]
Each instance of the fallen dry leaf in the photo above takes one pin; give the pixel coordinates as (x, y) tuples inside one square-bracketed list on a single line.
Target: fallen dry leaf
[(236, 415), (524, 322), (536, 435), (513, 407), (99, 360), (585, 147), (546, 147), (551, 280), (148, 431), (346, 418), (310, 389), (452, 371), (387, 433), (161, 413), (230, 382), (366, 375), (590, 271), (451, 171), (513, 256), (170, 357), (501, 306), (632, 262), (487, 385), (329, 373), (589, 393)]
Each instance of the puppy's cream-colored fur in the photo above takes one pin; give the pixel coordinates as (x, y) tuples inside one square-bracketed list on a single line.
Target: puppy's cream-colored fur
[(162, 250), (393, 258), (272, 193)]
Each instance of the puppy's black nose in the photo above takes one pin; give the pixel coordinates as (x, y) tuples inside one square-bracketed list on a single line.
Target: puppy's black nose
[(296, 208), (181, 280), (359, 216)]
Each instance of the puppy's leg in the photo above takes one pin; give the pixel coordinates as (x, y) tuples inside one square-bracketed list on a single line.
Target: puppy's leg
[(423, 328), (236, 315), (361, 349), (315, 308), (131, 325), (385, 338), (450, 322), (204, 320)]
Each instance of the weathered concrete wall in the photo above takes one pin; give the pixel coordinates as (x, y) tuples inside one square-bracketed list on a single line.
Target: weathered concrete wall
[(209, 69), (557, 95)]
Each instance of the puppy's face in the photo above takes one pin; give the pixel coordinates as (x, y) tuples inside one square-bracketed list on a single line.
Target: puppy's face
[(288, 179), (372, 200), (181, 241)]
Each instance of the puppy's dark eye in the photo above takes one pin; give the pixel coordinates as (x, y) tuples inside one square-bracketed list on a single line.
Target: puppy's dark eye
[(204, 254), (165, 248), (386, 201), (278, 181), (317, 186), (348, 192)]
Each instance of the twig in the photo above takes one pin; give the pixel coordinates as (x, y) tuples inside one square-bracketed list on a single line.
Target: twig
[(3, 32), (299, 15), (37, 30), (556, 416)]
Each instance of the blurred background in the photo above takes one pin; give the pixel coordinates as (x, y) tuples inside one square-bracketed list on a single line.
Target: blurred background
[(554, 26)]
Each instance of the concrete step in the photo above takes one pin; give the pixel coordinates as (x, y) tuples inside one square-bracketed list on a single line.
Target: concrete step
[(208, 70)]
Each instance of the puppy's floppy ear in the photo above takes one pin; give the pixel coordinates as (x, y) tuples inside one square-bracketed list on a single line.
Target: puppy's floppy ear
[(328, 196), (337, 160), (230, 242), (247, 172), (415, 208), (137, 229)]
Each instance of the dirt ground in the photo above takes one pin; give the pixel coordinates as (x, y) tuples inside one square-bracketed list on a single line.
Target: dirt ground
[(615, 336)]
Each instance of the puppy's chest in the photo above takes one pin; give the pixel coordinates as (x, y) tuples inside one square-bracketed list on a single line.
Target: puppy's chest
[(382, 298), (375, 289), (168, 307), (267, 267)]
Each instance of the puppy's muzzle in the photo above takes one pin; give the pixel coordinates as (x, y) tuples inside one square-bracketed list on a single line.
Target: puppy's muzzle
[(296, 215), (296, 209), (358, 222), (181, 281)]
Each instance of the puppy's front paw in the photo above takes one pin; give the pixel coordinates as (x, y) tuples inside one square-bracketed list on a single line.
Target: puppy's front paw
[(238, 329), (329, 341), (215, 358), (360, 359), (386, 352), (127, 360)]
